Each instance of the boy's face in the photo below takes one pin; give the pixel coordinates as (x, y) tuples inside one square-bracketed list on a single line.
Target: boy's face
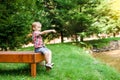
[(38, 27)]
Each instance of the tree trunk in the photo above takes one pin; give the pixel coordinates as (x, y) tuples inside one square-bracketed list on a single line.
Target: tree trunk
[(114, 35), (76, 37), (3, 49), (62, 37), (81, 38)]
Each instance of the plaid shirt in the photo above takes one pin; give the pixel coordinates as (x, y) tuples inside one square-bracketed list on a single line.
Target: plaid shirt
[(37, 39)]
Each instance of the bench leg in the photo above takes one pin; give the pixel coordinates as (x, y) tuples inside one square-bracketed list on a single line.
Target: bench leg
[(33, 69)]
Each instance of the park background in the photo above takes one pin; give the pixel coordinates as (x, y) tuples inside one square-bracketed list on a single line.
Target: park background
[(76, 21)]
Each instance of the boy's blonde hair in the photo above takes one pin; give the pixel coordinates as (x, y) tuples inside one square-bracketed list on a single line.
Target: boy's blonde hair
[(34, 24)]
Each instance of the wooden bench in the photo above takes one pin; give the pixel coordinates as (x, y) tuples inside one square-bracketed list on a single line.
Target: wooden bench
[(22, 57)]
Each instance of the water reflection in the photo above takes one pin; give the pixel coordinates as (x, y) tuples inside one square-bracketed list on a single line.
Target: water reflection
[(111, 57)]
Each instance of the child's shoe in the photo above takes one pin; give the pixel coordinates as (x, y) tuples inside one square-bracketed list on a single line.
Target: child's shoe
[(52, 64), (49, 65)]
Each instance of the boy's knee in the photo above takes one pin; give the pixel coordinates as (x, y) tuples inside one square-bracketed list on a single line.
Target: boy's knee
[(47, 52)]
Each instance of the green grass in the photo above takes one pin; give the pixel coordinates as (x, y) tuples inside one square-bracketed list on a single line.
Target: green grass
[(71, 63)]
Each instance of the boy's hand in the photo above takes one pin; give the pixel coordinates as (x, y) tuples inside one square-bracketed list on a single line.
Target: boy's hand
[(53, 31)]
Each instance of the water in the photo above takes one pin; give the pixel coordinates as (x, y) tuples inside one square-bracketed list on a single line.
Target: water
[(112, 58)]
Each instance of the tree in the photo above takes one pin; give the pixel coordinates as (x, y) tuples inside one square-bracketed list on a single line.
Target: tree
[(72, 17), (108, 16), (56, 11), (82, 18), (16, 17)]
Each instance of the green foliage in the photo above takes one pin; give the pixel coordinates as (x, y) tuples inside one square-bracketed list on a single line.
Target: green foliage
[(15, 22), (67, 17), (108, 16), (72, 16)]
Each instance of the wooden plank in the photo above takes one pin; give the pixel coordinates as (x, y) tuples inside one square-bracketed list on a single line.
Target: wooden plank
[(20, 57), (39, 57), (16, 58)]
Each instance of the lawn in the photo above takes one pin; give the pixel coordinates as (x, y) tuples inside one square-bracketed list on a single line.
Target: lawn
[(71, 63)]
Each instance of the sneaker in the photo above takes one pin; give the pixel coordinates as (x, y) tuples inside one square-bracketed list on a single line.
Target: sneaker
[(52, 64), (49, 66)]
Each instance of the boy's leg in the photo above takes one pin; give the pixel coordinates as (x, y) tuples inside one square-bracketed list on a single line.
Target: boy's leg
[(48, 57)]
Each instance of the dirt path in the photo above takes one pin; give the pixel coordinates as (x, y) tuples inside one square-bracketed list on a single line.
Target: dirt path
[(111, 57)]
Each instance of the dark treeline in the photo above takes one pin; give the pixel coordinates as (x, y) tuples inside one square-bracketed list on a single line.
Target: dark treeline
[(70, 18)]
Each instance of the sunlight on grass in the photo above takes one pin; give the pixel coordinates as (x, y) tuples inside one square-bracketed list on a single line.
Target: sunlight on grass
[(71, 63)]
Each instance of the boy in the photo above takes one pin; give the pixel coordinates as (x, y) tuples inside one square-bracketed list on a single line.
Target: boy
[(39, 45)]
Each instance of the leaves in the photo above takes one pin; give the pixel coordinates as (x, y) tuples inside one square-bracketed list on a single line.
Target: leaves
[(68, 17)]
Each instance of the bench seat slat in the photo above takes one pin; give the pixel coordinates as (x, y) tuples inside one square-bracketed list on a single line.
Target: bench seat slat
[(22, 57)]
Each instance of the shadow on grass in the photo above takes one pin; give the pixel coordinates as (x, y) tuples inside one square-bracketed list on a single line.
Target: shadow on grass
[(20, 71)]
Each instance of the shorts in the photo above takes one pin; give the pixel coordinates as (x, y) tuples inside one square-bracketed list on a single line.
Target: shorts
[(42, 50)]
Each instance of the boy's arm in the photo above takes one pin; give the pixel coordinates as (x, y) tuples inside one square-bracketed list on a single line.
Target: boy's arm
[(47, 31)]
